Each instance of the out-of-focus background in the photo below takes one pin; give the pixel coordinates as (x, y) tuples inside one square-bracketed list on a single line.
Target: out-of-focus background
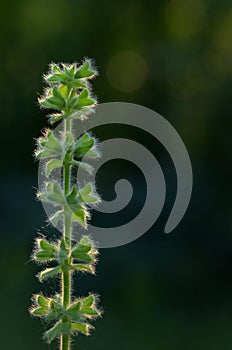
[(161, 292)]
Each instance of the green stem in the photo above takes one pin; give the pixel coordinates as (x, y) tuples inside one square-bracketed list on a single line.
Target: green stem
[(67, 125), (67, 227), (66, 275), (65, 342)]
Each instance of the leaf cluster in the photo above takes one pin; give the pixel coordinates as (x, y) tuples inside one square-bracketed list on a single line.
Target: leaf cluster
[(69, 91), (76, 319), (69, 94), (81, 258)]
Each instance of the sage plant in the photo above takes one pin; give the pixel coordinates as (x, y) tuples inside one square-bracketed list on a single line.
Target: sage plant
[(68, 95)]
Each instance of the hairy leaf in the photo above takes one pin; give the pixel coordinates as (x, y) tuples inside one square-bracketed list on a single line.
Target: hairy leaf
[(85, 71), (52, 164), (43, 255), (88, 301), (45, 245), (87, 196), (39, 311), (84, 268), (84, 100), (49, 273), (56, 217), (88, 168), (42, 301), (58, 329), (83, 328)]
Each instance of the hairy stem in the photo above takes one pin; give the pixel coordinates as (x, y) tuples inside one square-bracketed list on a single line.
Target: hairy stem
[(66, 275), (67, 125), (65, 342)]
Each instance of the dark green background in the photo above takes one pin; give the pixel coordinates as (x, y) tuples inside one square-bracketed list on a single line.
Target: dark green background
[(161, 292)]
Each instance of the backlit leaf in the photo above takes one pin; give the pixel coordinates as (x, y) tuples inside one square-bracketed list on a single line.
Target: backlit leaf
[(52, 164), (49, 273)]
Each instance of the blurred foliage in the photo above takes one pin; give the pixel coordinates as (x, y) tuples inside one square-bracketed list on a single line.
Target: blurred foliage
[(161, 292)]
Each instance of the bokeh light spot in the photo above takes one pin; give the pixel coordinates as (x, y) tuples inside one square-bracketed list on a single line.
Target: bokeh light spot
[(127, 71), (185, 18)]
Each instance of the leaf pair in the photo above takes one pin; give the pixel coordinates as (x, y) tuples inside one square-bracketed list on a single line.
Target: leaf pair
[(77, 200), (66, 328), (48, 146), (44, 251), (55, 271), (56, 100), (51, 308), (53, 193), (82, 309), (85, 251), (70, 74), (85, 145)]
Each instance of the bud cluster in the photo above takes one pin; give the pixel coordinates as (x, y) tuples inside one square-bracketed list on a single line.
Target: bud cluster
[(69, 91)]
